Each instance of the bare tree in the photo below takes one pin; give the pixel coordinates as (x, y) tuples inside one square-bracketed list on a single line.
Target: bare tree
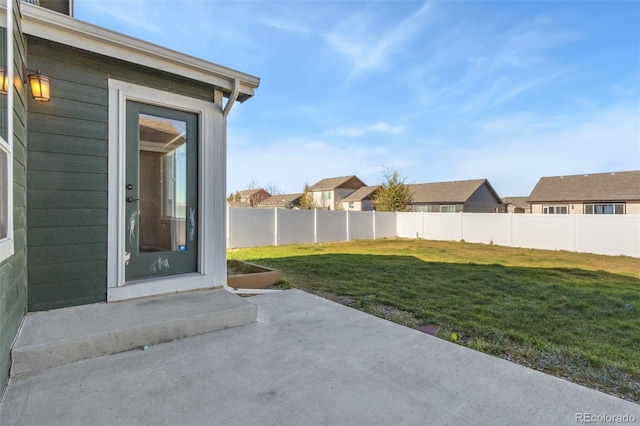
[(253, 184), (273, 189)]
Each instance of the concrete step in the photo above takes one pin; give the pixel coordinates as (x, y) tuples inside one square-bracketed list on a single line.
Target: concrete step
[(63, 336)]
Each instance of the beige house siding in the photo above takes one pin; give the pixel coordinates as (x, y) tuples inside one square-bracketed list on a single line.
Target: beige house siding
[(353, 206), (513, 209), (322, 203), (360, 206), (631, 207), (339, 194)]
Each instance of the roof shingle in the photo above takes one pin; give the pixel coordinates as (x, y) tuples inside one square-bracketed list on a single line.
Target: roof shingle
[(352, 182), (361, 194), (616, 186), (445, 192)]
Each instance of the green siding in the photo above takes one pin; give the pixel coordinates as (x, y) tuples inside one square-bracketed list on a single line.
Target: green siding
[(67, 175), (13, 271)]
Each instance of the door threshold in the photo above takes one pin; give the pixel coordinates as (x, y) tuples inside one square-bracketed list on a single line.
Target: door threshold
[(159, 286)]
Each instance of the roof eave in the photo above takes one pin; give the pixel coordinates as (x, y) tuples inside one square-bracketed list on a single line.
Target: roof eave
[(49, 25)]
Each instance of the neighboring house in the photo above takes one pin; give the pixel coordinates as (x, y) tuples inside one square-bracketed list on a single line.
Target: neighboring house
[(238, 204), (470, 196), (517, 204), (329, 193), (360, 200), (253, 196), (283, 201), (116, 184), (600, 193)]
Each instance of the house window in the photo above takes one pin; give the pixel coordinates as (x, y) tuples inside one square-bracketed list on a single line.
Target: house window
[(555, 209), (6, 149), (606, 208), (447, 209), (326, 195), (351, 205)]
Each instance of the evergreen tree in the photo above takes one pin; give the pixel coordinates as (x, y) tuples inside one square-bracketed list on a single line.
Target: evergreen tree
[(394, 194), (306, 201)]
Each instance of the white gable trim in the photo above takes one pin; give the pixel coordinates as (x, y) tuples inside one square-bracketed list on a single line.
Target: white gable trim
[(49, 25)]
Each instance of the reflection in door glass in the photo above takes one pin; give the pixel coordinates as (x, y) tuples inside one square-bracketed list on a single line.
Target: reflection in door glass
[(163, 184)]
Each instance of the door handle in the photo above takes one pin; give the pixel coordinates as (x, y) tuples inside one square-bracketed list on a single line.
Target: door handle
[(131, 199)]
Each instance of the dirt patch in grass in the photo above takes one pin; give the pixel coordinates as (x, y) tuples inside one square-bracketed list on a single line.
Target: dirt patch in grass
[(390, 313)]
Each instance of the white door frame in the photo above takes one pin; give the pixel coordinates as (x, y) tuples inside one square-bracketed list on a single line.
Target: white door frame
[(211, 189)]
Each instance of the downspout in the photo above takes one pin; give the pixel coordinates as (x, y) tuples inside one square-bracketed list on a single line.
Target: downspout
[(232, 99), (225, 112)]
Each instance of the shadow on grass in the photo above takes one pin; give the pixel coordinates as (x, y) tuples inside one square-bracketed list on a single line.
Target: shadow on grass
[(581, 325)]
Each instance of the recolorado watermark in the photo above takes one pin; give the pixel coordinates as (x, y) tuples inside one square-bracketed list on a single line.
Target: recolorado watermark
[(605, 418)]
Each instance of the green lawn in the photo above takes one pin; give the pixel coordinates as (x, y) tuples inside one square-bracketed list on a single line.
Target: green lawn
[(576, 316)]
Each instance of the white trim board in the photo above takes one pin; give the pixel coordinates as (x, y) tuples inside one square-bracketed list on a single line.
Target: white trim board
[(48, 25)]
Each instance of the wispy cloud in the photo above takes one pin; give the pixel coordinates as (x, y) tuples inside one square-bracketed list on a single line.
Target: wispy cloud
[(129, 14), (284, 25), (367, 45), (353, 132), (479, 67), (363, 37)]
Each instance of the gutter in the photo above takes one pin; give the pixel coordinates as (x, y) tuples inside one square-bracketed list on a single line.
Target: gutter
[(225, 113)]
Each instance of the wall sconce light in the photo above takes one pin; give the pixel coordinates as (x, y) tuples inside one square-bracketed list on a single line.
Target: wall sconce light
[(38, 83), (4, 81)]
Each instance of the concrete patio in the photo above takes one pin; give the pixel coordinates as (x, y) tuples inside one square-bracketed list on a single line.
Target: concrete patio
[(305, 361)]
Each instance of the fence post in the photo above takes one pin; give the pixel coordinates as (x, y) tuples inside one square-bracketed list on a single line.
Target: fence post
[(275, 226), (315, 226), (396, 213), (510, 229), (228, 226), (461, 226), (373, 219), (347, 218), (573, 234)]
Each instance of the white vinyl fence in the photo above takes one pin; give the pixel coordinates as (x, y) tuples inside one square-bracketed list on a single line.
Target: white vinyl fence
[(248, 227), (599, 234)]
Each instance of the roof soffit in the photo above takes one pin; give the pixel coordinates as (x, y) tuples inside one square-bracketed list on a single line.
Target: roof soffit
[(49, 25)]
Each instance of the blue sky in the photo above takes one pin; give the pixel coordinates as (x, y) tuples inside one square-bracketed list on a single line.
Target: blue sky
[(507, 90)]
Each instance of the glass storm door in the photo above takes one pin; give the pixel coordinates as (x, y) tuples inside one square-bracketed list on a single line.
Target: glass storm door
[(161, 196)]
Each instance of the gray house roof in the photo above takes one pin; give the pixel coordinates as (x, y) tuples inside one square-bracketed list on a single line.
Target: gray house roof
[(249, 192), (448, 192), (364, 193), (521, 202), (616, 186), (349, 182), (282, 200)]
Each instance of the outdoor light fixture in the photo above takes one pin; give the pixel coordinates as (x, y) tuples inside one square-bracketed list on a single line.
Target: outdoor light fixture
[(4, 81), (38, 83)]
